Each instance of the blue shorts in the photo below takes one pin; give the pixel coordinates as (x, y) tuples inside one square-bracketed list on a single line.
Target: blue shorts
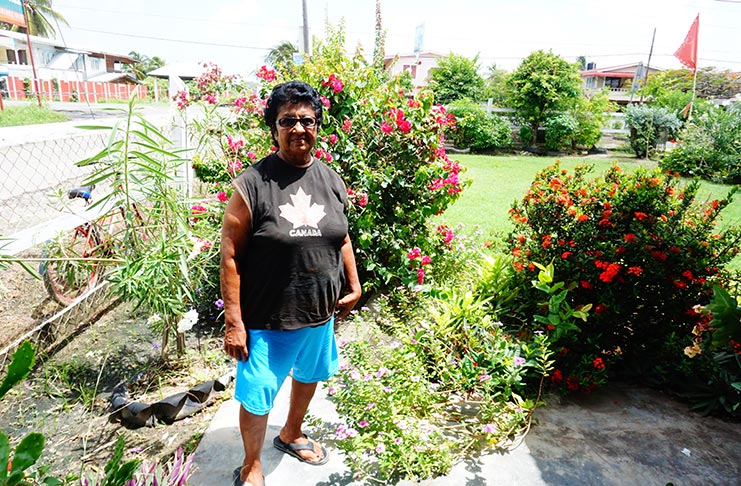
[(311, 352)]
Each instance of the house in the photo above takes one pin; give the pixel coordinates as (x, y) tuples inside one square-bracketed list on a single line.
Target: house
[(86, 71), (419, 66), (619, 79)]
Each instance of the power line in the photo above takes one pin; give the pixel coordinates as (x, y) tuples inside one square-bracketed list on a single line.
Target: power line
[(174, 17), (183, 41)]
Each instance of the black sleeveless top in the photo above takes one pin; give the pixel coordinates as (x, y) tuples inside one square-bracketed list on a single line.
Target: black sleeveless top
[(292, 271)]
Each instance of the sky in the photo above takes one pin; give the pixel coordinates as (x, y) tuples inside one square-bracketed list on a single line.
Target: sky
[(237, 34)]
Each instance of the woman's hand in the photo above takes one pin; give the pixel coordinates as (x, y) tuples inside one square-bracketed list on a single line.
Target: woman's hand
[(347, 303), (235, 342)]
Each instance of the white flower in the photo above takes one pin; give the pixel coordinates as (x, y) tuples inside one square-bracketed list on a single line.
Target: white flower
[(189, 319), (154, 319)]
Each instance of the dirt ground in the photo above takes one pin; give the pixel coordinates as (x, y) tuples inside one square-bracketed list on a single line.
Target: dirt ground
[(23, 303), (67, 396)]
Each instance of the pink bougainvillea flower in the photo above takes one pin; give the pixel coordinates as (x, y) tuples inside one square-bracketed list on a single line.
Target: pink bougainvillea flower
[(265, 73), (333, 139), (414, 253), (221, 196), (210, 99), (420, 276), (362, 199), (405, 126), (386, 127), (346, 126), (426, 260), (234, 166), (325, 102)]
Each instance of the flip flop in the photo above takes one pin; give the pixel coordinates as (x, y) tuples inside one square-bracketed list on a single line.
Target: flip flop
[(237, 481), (292, 450)]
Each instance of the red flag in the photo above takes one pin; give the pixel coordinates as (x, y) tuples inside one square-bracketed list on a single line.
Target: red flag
[(687, 52)]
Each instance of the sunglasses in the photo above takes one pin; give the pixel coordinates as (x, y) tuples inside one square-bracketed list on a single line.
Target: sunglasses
[(290, 122)]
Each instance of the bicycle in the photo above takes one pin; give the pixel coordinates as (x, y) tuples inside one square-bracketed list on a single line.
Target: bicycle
[(74, 263)]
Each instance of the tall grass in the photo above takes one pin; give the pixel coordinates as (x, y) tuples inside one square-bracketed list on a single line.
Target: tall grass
[(499, 180), (13, 116)]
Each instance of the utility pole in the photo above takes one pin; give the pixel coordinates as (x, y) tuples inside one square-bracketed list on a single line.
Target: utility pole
[(307, 50), (648, 64)]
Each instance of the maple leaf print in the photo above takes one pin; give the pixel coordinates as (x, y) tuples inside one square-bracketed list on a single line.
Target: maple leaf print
[(302, 212)]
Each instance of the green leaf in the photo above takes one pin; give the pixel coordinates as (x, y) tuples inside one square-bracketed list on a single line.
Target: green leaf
[(26, 454), (21, 364), (4, 456)]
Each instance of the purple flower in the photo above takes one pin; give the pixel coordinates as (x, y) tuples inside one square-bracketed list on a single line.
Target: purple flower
[(219, 304), (363, 424), (484, 378), (490, 428), (519, 361), (380, 448)]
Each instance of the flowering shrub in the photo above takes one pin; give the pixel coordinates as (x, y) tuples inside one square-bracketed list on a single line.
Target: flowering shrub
[(634, 246), (386, 145)]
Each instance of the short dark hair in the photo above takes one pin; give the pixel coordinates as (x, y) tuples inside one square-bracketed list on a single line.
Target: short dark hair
[(291, 92)]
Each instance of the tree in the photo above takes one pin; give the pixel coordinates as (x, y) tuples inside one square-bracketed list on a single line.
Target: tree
[(280, 57), (543, 82), (40, 17), (143, 64), (496, 86), (457, 78)]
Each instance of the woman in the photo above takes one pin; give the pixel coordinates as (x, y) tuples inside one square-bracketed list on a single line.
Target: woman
[(285, 258)]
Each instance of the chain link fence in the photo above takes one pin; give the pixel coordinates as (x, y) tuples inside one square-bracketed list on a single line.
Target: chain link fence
[(34, 175)]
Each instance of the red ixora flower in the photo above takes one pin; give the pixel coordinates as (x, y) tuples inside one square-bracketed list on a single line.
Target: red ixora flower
[(640, 216), (572, 383), (598, 363), (557, 376)]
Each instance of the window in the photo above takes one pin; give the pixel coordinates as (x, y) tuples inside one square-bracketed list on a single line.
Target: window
[(412, 68), (11, 56), (22, 59), (612, 83), (589, 82)]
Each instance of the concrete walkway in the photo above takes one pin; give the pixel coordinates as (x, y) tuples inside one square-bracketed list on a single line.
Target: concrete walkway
[(621, 436)]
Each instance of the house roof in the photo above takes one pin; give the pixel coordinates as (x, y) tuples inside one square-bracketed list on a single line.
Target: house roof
[(622, 71), (426, 54), (36, 40)]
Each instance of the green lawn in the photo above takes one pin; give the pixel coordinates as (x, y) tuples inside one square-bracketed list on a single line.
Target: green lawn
[(499, 180), (30, 114)]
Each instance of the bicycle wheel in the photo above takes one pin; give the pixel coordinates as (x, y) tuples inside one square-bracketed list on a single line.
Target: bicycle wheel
[(70, 272)]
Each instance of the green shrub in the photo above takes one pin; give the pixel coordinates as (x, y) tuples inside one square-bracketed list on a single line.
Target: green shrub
[(709, 147), (477, 129), (634, 246), (559, 131), (647, 126), (712, 368)]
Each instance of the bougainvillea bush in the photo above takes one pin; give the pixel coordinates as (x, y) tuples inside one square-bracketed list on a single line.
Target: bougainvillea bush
[(637, 247), (385, 143)]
